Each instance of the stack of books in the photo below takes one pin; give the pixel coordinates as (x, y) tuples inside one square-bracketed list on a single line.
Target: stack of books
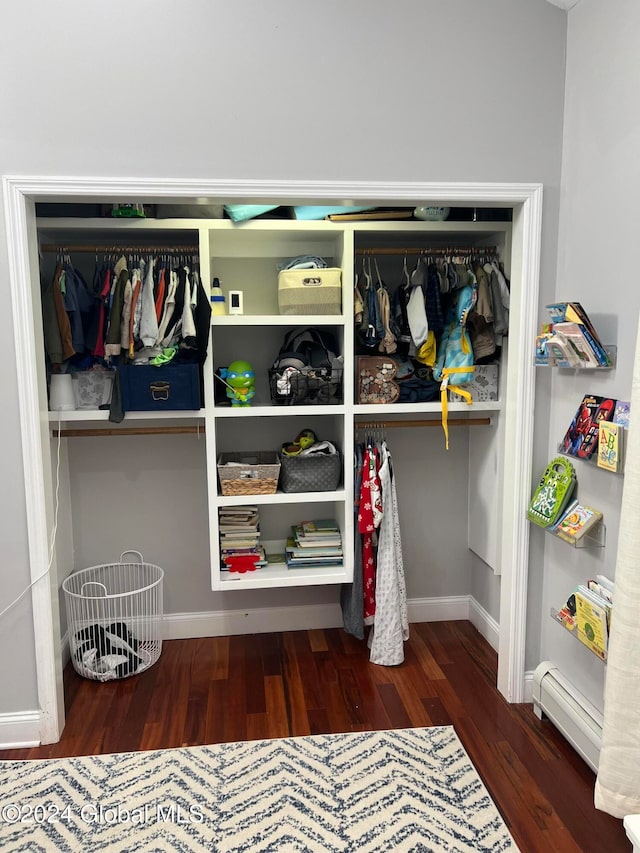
[(571, 340), (587, 613), (314, 544), (583, 440), (239, 528)]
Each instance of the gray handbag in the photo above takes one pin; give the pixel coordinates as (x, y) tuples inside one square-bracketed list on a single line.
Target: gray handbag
[(317, 472)]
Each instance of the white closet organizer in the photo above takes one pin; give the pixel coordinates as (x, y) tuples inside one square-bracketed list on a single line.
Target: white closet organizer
[(245, 257)]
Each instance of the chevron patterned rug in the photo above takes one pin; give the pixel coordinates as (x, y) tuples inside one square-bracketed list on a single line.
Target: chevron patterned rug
[(401, 790)]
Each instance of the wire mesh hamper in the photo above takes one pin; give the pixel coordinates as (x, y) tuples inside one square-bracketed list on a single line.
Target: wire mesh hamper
[(114, 614)]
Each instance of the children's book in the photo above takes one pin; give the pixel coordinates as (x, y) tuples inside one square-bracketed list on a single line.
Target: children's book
[(581, 439), (600, 589), (621, 413), (552, 493), (610, 438), (574, 336), (606, 582), (577, 522), (572, 313), (592, 621), (568, 508), (567, 613), (320, 527)]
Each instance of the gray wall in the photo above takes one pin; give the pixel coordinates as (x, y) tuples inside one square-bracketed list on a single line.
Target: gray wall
[(414, 90), (598, 230)]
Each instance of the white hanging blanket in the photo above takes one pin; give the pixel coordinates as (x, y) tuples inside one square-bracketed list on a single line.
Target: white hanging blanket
[(391, 625), (617, 788)]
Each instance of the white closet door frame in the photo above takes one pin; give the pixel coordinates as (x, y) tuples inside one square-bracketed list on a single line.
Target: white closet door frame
[(20, 195)]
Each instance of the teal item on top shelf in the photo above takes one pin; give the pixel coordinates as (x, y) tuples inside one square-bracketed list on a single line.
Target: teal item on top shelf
[(241, 212), (315, 211)]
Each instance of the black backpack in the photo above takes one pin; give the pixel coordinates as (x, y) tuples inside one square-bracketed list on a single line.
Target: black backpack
[(307, 370), (308, 348)]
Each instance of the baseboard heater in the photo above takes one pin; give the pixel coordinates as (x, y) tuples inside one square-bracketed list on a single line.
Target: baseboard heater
[(570, 712)]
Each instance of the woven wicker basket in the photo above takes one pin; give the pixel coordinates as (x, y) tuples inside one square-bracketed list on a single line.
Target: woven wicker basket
[(256, 474)]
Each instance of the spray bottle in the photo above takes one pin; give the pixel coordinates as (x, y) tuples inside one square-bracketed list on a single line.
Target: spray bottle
[(217, 298)]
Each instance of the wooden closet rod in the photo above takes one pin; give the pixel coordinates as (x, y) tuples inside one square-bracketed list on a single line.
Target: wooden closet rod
[(159, 430), (194, 430), (435, 250), (425, 423), (121, 250)]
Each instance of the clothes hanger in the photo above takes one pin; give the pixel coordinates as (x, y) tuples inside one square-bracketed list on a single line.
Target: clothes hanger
[(417, 276), (405, 280), (366, 272), (379, 282)]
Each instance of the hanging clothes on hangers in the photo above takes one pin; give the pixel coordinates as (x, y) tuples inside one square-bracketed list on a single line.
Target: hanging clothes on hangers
[(369, 518), (377, 597), (352, 594), (480, 319), (399, 316), (371, 330), (391, 624), (387, 343)]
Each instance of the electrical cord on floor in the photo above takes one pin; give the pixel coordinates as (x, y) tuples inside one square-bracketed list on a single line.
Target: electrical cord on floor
[(53, 531)]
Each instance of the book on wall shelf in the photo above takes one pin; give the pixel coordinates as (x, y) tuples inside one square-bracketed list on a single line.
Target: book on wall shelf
[(570, 340), (610, 446), (582, 437), (587, 614), (576, 522), (580, 526)]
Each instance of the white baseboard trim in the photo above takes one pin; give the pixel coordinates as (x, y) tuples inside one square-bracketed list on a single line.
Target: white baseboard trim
[(528, 686), (20, 731), (438, 609), (225, 623), (484, 622)]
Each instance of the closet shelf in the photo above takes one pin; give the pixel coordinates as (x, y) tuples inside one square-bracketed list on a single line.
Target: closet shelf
[(575, 633), (242, 320), (281, 498), (275, 411), (279, 575)]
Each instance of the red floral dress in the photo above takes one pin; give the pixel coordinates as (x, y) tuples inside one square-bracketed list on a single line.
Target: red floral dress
[(369, 517)]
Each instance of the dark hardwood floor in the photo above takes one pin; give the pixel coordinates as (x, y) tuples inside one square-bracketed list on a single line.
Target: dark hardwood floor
[(307, 682)]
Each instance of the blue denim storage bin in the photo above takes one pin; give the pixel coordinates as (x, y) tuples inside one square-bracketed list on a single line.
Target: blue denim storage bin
[(145, 388)]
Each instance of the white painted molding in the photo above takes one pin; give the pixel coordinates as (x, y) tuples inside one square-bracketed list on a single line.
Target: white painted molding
[(224, 623), (227, 623), (526, 239), (438, 609), (526, 199), (33, 441), (564, 4), (20, 731), (63, 189), (484, 622), (528, 686)]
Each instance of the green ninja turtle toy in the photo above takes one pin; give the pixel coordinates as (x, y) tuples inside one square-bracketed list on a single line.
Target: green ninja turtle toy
[(240, 379)]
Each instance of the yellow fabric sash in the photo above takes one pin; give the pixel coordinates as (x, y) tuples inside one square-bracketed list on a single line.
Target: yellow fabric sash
[(447, 371)]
